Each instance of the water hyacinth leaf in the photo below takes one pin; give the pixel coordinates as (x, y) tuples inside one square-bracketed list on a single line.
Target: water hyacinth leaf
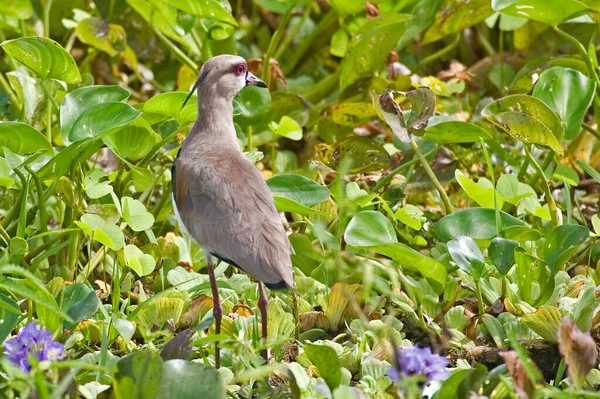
[(375, 38), (477, 223), (143, 264), (102, 119), (502, 254), (285, 204), (528, 119), (352, 113), (77, 101), (495, 329), (368, 229), (525, 79), (387, 106), (530, 269), (124, 327), (45, 57), (182, 379), (565, 174), (411, 216), (136, 215), (95, 32), (455, 16), (134, 141), (544, 322), (80, 302), (569, 93), (552, 12), (9, 316), (65, 159), (105, 233), (326, 360), (442, 130), (23, 139), (562, 242), (298, 188), (142, 177), (158, 14), (138, 376), (462, 381), (467, 256), (254, 103), (18, 9), (364, 154), (213, 9), (169, 105), (481, 192), (287, 127), (93, 186)]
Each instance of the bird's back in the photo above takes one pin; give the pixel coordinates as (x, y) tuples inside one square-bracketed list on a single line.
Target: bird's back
[(224, 203)]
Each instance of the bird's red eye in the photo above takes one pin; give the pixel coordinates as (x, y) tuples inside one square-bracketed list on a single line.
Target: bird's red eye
[(239, 69)]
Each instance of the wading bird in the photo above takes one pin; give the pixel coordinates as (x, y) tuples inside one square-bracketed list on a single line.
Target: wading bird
[(220, 199)]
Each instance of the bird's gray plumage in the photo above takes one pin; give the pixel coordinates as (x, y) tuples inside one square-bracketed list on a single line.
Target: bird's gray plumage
[(221, 199)]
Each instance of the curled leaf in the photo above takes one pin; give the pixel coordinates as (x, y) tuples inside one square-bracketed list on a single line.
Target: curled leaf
[(578, 350)]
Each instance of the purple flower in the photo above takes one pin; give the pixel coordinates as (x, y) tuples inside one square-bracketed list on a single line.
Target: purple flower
[(419, 361), (32, 341)]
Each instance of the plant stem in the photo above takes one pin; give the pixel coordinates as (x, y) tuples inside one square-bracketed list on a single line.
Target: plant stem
[(381, 183), (440, 53), (583, 53), (480, 307), (549, 198), (180, 55), (41, 201), (432, 176), (533, 179), (47, 8), (590, 129), (274, 42), (288, 39)]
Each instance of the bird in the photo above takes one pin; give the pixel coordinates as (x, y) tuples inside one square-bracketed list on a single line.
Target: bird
[(220, 198)]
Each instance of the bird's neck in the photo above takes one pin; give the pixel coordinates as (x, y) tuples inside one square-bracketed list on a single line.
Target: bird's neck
[(215, 120)]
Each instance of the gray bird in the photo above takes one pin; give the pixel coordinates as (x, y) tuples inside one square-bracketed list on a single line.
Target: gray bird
[(220, 199)]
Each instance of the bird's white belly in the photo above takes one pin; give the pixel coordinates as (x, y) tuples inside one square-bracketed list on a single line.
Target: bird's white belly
[(181, 224)]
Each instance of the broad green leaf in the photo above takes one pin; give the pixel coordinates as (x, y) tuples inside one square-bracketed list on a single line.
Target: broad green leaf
[(368, 229), (287, 127), (481, 192), (526, 77), (466, 254), (298, 188), (527, 119), (136, 215), (442, 130), (182, 379), (158, 14), (110, 38), (463, 381), (100, 230), (134, 141), (565, 174), (79, 100), (562, 242), (326, 360), (22, 139), (502, 254), (6, 180), (544, 322), (102, 119), (422, 101), (455, 16), (352, 113), (285, 204), (339, 43), (477, 223), (411, 216), (93, 186), (513, 191), (531, 269), (169, 105), (143, 264), (364, 154), (142, 177), (552, 12), (138, 376), (18, 9), (569, 93), (347, 6), (80, 302), (596, 224), (375, 38), (254, 102), (65, 159), (45, 57), (18, 246), (9, 316), (124, 327)]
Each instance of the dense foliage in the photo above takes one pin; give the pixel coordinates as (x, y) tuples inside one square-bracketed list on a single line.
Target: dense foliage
[(435, 162)]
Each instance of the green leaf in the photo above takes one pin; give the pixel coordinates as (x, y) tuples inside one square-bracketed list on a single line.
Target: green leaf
[(93, 186), (442, 130), (352, 113), (102, 119), (142, 177), (9, 316), (502, 254), (347, 6), (182, 379), (169, 105), (124, 327), (80, 302), (495, 329), (100, 230), (158, 14), (22, 139), (65, 159), (387, 108), (544, 322), (18, 9), (368, 229), (79, 100), (530, 269), (136, 215), (455, 16), (285, 204), (562, 242), (106, 37), (481, 192), (134, 141), (254, 102), (6, 180), (339, 43), (287, 127), (527, 119), (590, 171), (138, 376), (143, 264), (467, 256), (552, 12), (422, 101), (565, 174), (45, 57), (363, 154), (411, 216), (298, 188), (477, 223), (326, 360), (569, 93), (212, 9), (375, 38)]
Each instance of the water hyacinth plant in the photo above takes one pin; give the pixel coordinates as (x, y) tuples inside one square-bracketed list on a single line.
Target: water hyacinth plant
[(33, 341), (415, 367)]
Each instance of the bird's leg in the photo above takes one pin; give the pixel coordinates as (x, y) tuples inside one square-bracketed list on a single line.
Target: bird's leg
[(262, 305), (217, 308)]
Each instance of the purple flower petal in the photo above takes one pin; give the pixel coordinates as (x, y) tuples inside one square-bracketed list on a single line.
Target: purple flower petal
[(32, 341), (419, 361)]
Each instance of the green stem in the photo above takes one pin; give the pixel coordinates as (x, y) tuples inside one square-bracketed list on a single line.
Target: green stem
[(523, 170), (490, 166), (590, 129), (549, 198), (47, 8), (39, 249), (432, 177), (274, 42), (6, 87), (442, 52), (485, 43), (293, 33), (480, 307), (385, 180), (533, 179), (49, 96), (584, 54), (41, 200), (180, 55)]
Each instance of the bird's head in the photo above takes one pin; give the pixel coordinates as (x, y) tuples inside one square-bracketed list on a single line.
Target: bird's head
[(226, 76)]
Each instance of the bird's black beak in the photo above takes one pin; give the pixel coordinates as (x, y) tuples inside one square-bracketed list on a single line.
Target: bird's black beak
[(191, 93), (252, 80)]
